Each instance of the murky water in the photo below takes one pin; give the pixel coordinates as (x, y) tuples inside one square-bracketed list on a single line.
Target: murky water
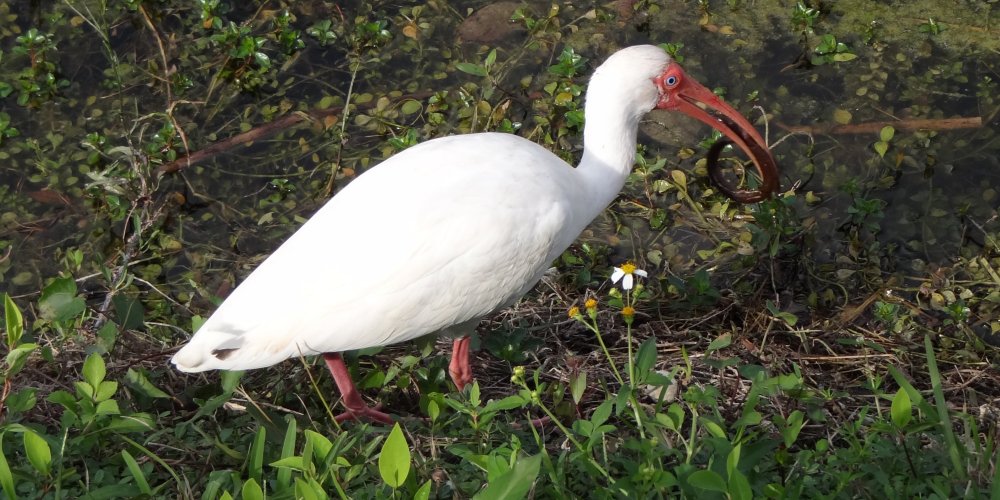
[(929, 198)]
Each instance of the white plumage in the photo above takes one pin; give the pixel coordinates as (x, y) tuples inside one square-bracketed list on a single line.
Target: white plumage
[(437, 236)]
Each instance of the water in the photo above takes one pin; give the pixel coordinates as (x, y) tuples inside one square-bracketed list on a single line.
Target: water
[(931, 200)]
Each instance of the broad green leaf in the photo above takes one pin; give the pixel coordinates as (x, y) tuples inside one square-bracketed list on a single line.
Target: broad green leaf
[(842, 116), (720, 342), (601, 413), (290, 463), (507, 403), (733, 460), (713, 428), (901, 410), (94, 370), (470, 68), (707, 480), (256, 465), (739, 486), (844, 56), (59, 301), (394, 460), (881, 148), (424, 493), (410, 107), (287, 450), (251, 491), (515, 483), (793, 425), (886, 134), (128, 311), (140, 478), (321, 444), (6, 478), (308, 489), (679, 178), (38, 452), (14, 321), (645, 359), (578, 384), (137, 381)]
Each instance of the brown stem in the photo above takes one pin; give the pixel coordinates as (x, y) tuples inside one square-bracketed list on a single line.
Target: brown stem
[(261, 132), (875, 127)]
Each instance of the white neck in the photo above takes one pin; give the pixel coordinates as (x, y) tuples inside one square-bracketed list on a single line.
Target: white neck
[(609, 140)]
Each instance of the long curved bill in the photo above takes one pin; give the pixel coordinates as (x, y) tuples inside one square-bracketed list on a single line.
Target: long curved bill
[(680, 93)]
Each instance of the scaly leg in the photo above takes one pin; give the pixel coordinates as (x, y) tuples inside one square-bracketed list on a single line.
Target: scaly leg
[(459, 369), (356, 408)]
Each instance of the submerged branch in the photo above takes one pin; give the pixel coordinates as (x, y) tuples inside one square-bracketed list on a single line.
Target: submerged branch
[(261, 132), (875, 127)]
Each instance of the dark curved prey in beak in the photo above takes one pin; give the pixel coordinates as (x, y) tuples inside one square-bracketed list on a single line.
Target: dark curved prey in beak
[(766, 166)]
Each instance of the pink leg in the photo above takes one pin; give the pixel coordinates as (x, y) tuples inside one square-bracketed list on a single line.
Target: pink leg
[(356, 408), (459, 369)]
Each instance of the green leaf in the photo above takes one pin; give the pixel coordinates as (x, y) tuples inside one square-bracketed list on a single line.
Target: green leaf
[(38, 451), (128, 312), (138, 382), (901, 410), (707, 480), (470, 68), (308, 489), (507, 403), (578, 384), (251, 491), (296, 463), (739, 486), (720, 342), (793, 425), (320, 443), (645, 359), (6, 478), (256, 465), (14, 321), (515, 483), (59, 301), (94, 370), (140, 478), (601, 413), (424, 493), (287, 450), (733, 460), (411, 106), (881, 148), (394, 460), (490, 58), (844, 56), (887, 133)]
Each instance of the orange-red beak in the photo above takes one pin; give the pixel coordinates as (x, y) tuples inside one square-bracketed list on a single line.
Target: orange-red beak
[(678, 92)]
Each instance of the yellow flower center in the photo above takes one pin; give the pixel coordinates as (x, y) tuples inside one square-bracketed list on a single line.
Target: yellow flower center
[(574, 312), (628, 268), (590, 303), (628, 311)]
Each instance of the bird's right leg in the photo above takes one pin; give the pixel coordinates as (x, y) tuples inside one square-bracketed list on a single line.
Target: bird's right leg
[(349, 395), (459, 368)]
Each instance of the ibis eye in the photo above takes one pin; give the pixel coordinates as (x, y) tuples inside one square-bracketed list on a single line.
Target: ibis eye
[(671, 81)]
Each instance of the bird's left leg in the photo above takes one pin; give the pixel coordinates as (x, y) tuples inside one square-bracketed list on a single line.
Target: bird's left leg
[(356, 407), (459, 369)]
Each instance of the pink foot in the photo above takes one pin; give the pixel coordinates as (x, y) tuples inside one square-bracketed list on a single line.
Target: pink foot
[(349, 395)]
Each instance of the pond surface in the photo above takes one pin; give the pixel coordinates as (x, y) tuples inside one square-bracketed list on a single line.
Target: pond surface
[(883, 118)]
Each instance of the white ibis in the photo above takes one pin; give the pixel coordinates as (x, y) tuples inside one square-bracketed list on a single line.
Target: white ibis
[(447, 232)]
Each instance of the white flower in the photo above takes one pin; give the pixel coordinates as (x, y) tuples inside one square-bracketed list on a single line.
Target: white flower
[(627, 271)]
